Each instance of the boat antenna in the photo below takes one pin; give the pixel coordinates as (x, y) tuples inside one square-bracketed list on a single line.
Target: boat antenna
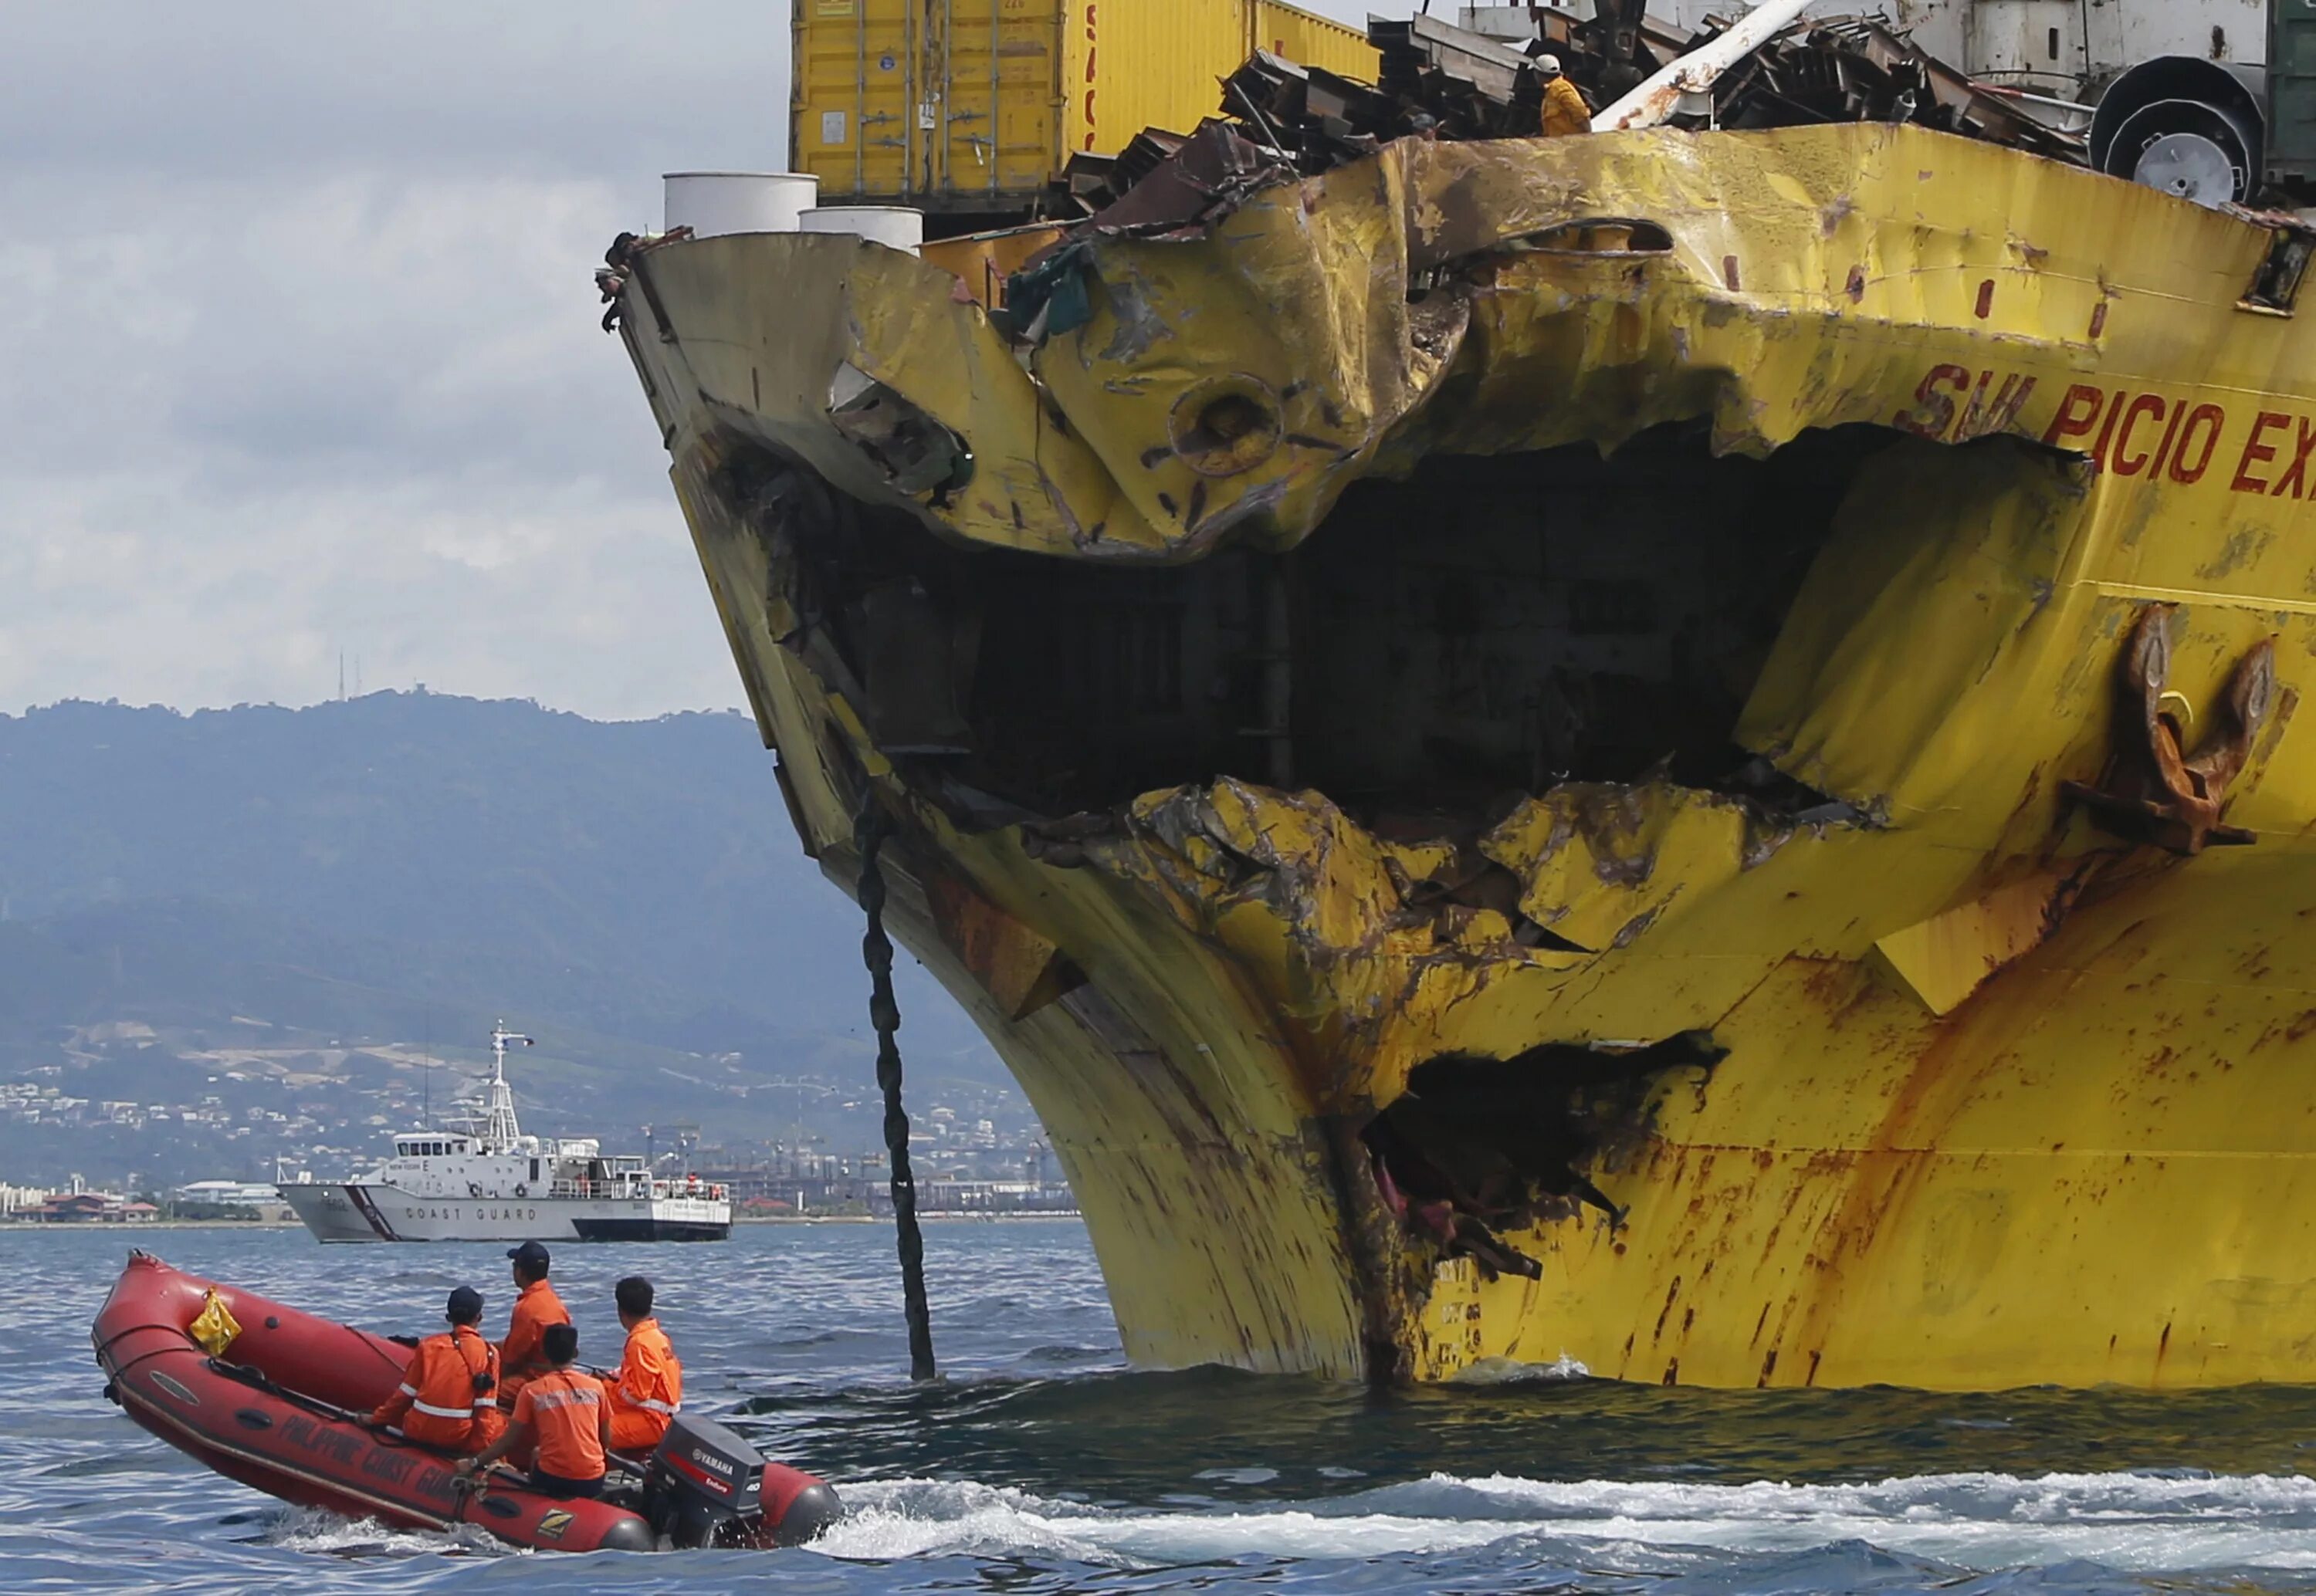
[(499, 1126)]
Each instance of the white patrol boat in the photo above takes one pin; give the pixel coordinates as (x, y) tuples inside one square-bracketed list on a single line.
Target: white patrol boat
[(489, 1181)]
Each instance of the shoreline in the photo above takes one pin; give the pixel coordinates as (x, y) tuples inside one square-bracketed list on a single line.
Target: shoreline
[(949, 1215), (118, 1228)]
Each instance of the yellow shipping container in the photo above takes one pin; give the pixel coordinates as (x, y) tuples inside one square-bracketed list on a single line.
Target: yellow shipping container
[(970, 107)]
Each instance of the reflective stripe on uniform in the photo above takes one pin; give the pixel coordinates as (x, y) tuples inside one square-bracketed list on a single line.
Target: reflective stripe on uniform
[(432, 1412), (648, 1365), (407, 1390), (584, 1397), (565, 1408)]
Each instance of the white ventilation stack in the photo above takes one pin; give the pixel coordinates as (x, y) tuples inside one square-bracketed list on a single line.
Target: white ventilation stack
[(713, 203), (894, 226)]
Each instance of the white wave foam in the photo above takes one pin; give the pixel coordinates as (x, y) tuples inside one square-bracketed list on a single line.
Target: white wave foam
[(896, 1519), (2139, 1524), (1508, 1371), (2135, 1522), (926, 1518), (311, 1529)]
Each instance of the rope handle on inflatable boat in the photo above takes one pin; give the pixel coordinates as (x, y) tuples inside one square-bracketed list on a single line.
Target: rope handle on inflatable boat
[(239, 1373), (376, 1352), (257, 1379), (478, 1485), (105, 1345), (142, 1357)]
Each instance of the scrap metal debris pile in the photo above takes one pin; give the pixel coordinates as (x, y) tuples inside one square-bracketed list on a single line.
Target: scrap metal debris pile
[(1447, 82), (1852, 69)]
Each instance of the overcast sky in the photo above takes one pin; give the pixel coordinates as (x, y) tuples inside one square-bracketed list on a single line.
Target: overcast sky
[(300, 351)]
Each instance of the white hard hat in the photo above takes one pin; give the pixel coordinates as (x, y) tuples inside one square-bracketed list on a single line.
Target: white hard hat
[(1548, 65)]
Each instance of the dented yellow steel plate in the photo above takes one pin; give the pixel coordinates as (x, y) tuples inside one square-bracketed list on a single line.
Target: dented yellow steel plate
[(2006, 1102)]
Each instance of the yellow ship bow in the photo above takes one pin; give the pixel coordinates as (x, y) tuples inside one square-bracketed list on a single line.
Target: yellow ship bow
[(1669, 750)]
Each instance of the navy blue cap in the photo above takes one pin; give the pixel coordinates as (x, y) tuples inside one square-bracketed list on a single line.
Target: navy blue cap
[(531, 1253), (466, 1305)]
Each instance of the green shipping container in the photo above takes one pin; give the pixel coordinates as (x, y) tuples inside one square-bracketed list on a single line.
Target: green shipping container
[(2291, 89)]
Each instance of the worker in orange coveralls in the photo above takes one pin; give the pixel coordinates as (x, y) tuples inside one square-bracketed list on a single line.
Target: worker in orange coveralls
[(649, 1388), (561, 1419), (448, 1398), (522, 1357), (1565, 111)]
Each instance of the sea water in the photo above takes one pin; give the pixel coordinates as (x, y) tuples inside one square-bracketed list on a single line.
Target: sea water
[(1043, 1465)]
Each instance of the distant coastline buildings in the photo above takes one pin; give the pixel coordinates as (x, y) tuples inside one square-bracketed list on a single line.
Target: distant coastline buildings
[(78, 1204), (88, 1208), (227, 1193)]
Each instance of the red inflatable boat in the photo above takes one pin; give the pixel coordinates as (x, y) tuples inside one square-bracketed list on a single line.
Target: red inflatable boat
[(282, 1407)]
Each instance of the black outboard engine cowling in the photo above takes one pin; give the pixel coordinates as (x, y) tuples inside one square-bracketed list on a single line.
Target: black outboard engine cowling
[(704, 1484)]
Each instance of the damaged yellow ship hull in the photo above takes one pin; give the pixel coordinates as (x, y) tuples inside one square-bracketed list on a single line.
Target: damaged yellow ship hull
[(1297, 664)]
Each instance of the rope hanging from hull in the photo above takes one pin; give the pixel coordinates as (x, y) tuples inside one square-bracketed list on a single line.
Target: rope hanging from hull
[(868, 836)]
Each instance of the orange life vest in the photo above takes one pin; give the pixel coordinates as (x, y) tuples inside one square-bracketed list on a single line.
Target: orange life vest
[(437, 1403), (565, 1411), (535, 1308), (649, 1389)]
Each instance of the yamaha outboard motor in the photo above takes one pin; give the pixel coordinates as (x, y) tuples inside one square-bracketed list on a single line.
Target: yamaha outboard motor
[(706, 1486), (2190, 127)]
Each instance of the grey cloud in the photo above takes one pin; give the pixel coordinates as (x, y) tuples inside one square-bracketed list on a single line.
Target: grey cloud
[(237, 88), (302, 353)]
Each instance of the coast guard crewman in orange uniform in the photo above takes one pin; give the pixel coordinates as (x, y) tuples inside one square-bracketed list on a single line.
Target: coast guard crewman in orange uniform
[(449, 1396), (562, 1417), (522, 1355), (650, 1386)]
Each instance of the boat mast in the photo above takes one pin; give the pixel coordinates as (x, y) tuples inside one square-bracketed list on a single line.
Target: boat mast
[(498, 1127)]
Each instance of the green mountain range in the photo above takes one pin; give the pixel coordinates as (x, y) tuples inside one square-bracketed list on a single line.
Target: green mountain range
[(405, 867)]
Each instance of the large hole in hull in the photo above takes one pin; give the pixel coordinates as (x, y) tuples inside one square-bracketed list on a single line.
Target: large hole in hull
[(1475, 1146), (1489, 626), (1506, 623)]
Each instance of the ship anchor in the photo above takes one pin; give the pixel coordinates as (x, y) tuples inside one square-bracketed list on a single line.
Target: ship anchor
[(2151, 790)]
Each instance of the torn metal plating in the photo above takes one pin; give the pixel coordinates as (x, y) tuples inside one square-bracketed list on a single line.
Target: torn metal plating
[(1490, 611)]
